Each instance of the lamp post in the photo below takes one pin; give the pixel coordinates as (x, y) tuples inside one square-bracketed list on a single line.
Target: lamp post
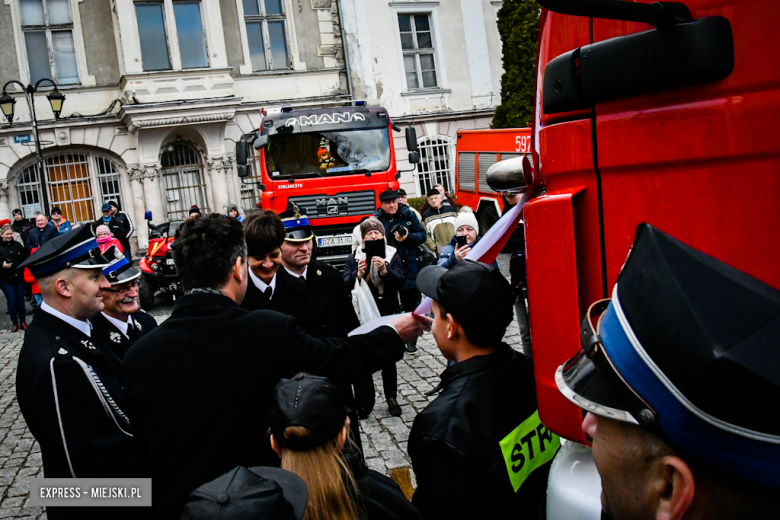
[(56, 99)]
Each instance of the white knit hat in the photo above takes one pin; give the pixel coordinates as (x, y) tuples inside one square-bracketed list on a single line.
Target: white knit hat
[(466, 218)]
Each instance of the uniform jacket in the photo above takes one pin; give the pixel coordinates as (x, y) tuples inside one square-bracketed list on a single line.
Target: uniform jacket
[(462, 470), (440, 224), (12, 252), (113, 338), (417, 236), (380, 496), (36, 236), (387, 302), (200, 385), (330, 304), (94, 420), (290, 297)]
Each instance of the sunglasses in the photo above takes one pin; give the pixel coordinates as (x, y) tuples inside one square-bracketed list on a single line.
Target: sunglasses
[(133, 285)]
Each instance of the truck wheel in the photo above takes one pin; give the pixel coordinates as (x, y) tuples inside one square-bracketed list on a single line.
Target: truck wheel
[(146, 295), (487, 217)]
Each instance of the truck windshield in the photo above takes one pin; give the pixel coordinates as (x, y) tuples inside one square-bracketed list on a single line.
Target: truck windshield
[(325, 154)]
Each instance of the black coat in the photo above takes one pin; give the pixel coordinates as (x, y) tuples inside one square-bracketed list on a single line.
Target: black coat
[(405, 217), (200, 384), (387, 302), (462, 471), (381, 498), (117, 342), (36, 236), (98, 444), (290, 297), (330, 303), (15, 253)]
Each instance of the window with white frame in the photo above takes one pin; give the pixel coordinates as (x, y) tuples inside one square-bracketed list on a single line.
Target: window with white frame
[(266, 34), (47, 26), (436, 164), (153, 34), (418, 50)]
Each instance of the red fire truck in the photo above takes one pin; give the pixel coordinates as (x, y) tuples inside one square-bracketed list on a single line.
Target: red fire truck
[(333, 162), (661, 113), (478, 150)]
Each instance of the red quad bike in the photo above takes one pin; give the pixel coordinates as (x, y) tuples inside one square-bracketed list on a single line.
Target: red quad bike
[(158, 273)]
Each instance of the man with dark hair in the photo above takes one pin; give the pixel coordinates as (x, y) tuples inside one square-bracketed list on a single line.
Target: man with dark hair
[(270, 287), (405, 233), (679, 378), (464, 445), (199, 384), (125, 228)]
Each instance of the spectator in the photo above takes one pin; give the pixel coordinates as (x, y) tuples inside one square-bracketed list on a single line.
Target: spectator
[(36, 290), (60, 222), (439, 219), (404, 232), (194, 212), (12, 254), (125, 229), (385, 277), (309, 427), (465, 226), (105, 239), (41, 233), (402, 199), (232, 211), (464, 445), (20, 225)]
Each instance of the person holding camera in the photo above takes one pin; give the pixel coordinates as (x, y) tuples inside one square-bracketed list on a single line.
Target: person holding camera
[(466, 237), (383, 269), (405, 233)]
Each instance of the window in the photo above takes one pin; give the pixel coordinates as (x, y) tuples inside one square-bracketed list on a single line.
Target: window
[(69, 180), (183, 181), (435, 165), (48, 37), (266, 34), (154, 36), (418, 51)]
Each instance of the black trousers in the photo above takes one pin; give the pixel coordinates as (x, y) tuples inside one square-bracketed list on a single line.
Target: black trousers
[(365, 396)]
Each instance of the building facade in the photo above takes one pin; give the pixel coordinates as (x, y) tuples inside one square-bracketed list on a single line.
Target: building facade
[(158, 92)]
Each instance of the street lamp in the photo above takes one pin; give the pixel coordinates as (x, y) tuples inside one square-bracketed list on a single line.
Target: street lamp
[(7, 105)]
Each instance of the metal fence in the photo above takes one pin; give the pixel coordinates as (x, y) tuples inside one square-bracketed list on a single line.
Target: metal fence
[(436, 164), (182, 177)]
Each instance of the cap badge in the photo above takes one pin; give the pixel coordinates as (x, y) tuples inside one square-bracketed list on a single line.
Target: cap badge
[(115, 337), (62, 352), (319, 273)]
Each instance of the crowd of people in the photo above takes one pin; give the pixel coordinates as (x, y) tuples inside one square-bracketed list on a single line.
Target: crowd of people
[(245, 402)]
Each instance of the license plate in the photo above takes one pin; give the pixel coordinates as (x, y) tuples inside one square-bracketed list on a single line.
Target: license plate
[(345, 240), (169, 261)]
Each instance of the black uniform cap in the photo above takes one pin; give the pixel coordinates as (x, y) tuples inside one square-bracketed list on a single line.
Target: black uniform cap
[(76, 248), (296, 224), (388, 195), (247, 494), (688, 347)]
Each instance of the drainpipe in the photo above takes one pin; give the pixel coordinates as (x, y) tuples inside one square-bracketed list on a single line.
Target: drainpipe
[(344, 49)]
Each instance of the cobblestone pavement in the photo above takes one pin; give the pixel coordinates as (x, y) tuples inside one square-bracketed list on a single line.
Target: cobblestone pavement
[(384, 437)]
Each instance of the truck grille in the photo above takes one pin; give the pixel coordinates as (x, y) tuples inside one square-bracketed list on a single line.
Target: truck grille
[(345, 204)]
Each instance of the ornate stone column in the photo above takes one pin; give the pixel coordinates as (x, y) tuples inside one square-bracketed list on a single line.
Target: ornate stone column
[(5, 210), (136, 175), (219, 167), (147, 196)]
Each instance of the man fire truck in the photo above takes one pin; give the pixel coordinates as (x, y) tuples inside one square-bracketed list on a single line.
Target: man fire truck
[(661, 113), (333, 162)]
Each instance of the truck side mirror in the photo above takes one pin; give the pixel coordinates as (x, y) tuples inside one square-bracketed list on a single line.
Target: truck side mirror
[(411, 140), (414, 157), (261, 142), (241, 152), (243, 170), (148, 216)]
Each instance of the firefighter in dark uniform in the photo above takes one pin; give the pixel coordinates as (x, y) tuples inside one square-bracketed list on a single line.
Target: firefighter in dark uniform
[(269, 286), (122, 321), (680, 376), (328, 306), (68, 384)]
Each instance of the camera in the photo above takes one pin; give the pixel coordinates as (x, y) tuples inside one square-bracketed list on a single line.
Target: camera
[(398, 228)]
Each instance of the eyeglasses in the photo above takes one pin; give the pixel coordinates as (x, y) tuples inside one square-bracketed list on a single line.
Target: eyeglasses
[(133, 285)]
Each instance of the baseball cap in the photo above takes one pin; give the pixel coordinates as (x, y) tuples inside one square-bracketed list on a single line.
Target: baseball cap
[(686, 348), (388, 195), (247, 494), (474, 293), (309, 401), (432, 191), (106, 207)]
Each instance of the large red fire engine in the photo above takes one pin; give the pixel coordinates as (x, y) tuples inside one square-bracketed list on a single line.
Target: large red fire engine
[(477, 151), (333, 162), (657, 113)]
